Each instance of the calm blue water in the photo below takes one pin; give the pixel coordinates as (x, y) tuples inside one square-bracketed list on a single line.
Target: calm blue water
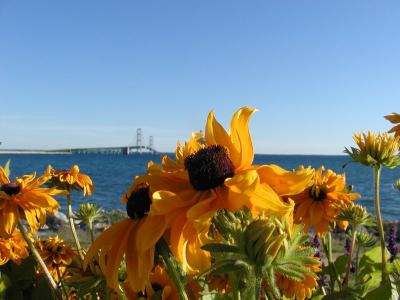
[(113, 174)]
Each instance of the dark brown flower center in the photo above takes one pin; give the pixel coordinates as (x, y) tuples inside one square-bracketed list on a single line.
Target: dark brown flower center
[(10, 188), (138, 204), (317, 193), (209, 167)]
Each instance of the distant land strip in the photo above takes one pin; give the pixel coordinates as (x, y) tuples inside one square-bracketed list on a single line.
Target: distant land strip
[(23, 151)]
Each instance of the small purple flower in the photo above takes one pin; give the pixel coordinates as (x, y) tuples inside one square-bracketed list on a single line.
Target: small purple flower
[(317, 245), (392, 242)]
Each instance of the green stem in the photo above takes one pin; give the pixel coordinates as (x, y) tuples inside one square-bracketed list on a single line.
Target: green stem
[(353, 242), (72, 225), (61, 282), (91, 231), (236, 295), (357, 259), (333, 274), (39, 260), (377, 176), (172, 268)]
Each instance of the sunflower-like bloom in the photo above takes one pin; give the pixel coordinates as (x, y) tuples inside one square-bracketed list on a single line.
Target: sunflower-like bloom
[(300, 289), (13, 248), (24, 198), (320, 203), (125, 237), (159, 283), (56, 254), (71, 178), (211, 173), (394, 119), (376, 149)]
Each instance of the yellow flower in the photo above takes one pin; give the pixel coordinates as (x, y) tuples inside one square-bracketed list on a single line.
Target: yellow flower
[(299, 289), (211, 173), (24, 198), (159, 283), (56, 254), (320, 203), (72, 178), (13, 248), (395, 119), (376, 149), (124, 238)]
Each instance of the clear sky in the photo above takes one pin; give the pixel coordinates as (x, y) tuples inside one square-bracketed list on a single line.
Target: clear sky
[(88, 73)]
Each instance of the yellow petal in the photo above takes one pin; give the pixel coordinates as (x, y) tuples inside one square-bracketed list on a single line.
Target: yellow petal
[(9, 218), (149, 231), (285, 182), (216, 134), (241, 138), (105, 239), (114, 256), (3, 176), (245, 182)]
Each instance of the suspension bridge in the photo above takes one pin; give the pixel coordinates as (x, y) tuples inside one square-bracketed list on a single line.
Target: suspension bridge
[(139, 148)]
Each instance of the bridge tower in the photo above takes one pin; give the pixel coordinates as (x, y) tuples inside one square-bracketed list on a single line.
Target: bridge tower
[(151, 143), (139, 140)]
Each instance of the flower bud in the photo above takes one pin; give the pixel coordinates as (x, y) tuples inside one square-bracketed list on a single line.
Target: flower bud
[(376, 149), (264, 237), (355, 214)]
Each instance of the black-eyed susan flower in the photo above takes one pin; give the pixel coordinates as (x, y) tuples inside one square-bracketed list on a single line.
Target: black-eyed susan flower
[(376, 149), (212, 173), (13, 248), (300, 289), (394, 119), (24, 198), (320, 203), (159, 286), (124, 239), (56, 254), (71, 178)]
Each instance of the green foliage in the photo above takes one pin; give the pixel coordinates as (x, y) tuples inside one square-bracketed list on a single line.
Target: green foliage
[(88, 213), (340, 263), (42, 290), (384, 292), (18, 279), (257, 250)]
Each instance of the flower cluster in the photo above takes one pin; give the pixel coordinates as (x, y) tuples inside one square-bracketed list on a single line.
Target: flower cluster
[(56, 254), (207, 221), (177, 200)]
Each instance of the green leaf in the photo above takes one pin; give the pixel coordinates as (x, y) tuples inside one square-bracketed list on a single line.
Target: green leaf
[(340, 263), (4, 284), (42, 291), (343, 295), (229, 268), (23, 275), (383, 292), (218, 247), (373, 255)]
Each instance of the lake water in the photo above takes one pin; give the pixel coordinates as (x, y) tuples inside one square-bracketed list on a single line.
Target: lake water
[(113, 174)]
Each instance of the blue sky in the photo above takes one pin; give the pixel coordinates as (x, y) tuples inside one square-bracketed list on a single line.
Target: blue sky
[(88, 73)]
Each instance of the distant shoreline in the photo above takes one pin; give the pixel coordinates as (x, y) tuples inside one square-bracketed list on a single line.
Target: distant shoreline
[(33, 152)]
